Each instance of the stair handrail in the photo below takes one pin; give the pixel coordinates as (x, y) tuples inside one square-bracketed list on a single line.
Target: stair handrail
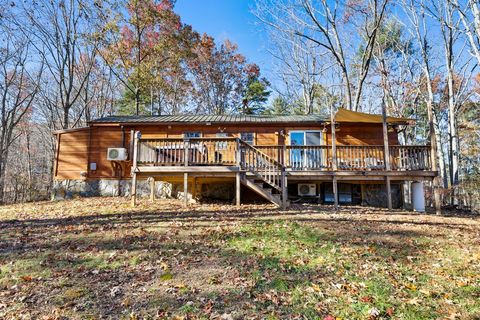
[(274, 177), (260, 152)]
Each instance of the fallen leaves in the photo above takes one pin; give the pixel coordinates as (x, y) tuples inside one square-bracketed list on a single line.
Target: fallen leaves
[(99, 257)]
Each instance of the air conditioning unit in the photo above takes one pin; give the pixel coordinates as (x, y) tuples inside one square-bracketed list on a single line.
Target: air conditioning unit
[(117, 154), (307, 189)]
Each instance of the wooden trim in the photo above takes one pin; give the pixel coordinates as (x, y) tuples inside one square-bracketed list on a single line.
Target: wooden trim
[(57, 154), (112, 124), (58, 132)]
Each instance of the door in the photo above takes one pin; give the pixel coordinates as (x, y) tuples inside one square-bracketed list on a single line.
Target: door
[(304, 153), (297, 152)]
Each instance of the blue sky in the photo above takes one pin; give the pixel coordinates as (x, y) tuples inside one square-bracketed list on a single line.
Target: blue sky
[(228, 19)]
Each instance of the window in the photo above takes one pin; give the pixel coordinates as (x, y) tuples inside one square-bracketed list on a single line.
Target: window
[(221, 145), (303, 157), (305, 138), (192, 135), (247, 137)]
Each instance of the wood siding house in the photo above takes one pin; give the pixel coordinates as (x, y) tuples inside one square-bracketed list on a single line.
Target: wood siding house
[(278, 158)]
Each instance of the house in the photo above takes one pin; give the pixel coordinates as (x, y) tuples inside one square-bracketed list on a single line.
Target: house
[(277, 158)]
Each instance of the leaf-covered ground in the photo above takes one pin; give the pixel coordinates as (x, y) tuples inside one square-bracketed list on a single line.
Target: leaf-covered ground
[(99, 258)]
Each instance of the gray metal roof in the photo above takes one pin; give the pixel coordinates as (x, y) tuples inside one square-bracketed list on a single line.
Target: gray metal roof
[(192, 119)]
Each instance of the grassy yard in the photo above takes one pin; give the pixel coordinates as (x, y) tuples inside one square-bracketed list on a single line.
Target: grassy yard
[(98, 258)]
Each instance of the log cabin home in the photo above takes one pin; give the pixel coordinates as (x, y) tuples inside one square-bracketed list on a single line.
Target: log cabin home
[(280, 159)]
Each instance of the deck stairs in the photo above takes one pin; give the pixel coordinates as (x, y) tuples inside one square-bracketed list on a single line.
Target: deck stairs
[(261, 173)]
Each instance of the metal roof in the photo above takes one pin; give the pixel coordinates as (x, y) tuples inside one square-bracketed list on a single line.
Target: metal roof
[(192, 119)]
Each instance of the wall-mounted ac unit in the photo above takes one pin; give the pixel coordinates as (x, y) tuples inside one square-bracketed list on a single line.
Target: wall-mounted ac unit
[(117, 154), (307, 189)]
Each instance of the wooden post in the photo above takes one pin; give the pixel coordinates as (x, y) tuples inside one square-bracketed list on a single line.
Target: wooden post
[(132, 142), (237, 189), (386, 153), (284, 189), (335, 192), (185, 151), (389, 193), (185, 189), (134, 168), (152, 188), (334, 159), (238, 153), (134, 190)]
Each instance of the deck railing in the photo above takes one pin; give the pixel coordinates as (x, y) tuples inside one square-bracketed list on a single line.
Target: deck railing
[(234, 152), (194, 151), (256, 161), (360, 158), (411, 158)]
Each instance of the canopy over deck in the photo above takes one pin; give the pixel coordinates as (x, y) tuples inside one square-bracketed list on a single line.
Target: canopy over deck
[(344, 115)]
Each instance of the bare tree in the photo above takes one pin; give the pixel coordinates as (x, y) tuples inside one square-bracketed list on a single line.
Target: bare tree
[(18, 89), (334, 26), (60, 32), (299, 66), (470, 16), (418, 21)]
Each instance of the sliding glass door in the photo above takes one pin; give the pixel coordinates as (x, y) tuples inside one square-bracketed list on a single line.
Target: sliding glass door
[(303, 154)]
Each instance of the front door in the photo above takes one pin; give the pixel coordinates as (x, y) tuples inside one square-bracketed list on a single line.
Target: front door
[(305, 153)]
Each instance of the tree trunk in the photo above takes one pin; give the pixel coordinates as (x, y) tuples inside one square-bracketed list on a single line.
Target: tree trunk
[(452, 125), (66, 116), (2, 176), (137, 101)]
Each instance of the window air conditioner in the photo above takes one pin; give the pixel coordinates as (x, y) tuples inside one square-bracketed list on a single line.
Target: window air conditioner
[(305, 189), (117, 154)]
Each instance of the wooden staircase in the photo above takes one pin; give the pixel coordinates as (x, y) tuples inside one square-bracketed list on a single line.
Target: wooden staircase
[(262, 174)]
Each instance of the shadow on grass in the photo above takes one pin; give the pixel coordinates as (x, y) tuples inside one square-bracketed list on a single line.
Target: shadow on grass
[(114, 264), (315, 213)]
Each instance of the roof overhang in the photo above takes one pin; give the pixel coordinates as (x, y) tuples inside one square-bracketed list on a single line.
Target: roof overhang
[(347, 116)]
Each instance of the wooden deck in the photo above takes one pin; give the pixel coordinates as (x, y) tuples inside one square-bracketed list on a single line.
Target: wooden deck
[(267, 169), (206, 153)]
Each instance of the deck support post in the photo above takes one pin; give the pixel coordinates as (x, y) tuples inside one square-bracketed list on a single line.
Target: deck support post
[(134, 168), (389, 192), (284, 189), (152, 188), (185, 190), (134, 190), (237, 189), (335, 192)]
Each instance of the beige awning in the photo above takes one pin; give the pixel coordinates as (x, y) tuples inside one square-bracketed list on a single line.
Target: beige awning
[(344, 115)]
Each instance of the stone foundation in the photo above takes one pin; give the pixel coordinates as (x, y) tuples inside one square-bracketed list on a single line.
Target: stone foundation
[(68, 189), (218, 191), (375, 195)]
